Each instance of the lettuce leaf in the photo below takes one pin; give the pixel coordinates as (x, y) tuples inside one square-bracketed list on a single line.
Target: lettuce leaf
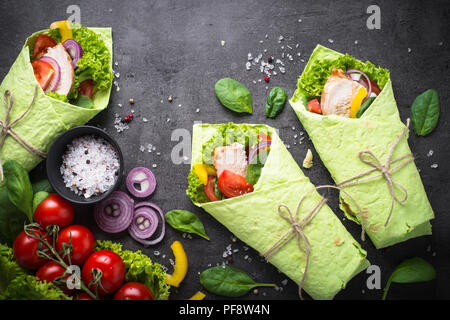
[(9, 268), (196, 190), (140, 268), (29, 287), (57, 96), (95, 62), (313, 82)]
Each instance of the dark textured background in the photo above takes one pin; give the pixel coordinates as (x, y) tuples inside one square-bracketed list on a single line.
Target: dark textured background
[(173, 48)]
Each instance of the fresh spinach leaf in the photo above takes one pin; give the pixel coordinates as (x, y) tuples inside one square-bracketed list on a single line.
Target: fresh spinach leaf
[(411, 271), (42, 185), (233, 95), (18, 185), (425, 112), (276, 100), (38, 198), (12, 219), (228, 281), (186, 221), (253, 173)]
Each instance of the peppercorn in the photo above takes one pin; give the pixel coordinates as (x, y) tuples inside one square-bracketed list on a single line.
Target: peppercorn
[(230, 259), (270, 59), (170, 98), (266, 78), (131, 101)]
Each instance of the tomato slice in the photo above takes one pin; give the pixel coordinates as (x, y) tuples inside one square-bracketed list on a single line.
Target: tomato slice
[(375, 88), (43, 42), (314, 106), (233, 185), (86, 87), (263, 137), (210, 189), (43, 71)]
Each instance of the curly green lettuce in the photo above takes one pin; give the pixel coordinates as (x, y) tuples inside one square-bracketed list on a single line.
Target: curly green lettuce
[(17, 284), (196, 190), (313, 82), (57, 96), (140, 268), (95, 63)]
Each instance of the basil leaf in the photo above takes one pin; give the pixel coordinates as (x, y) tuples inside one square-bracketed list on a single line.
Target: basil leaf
[(42, 185), (20, 191), (38, 198), (228, 281), (411, 271), (217, 191), (425, 112), (276, 100), (233, 95), (186, 221), (12, 219)]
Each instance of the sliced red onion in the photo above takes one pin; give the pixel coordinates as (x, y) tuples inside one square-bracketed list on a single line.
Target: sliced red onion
[(145, 223), (367, 85), (55, 81), (141, 182), (75, 51), (115, 213), (262, 146)]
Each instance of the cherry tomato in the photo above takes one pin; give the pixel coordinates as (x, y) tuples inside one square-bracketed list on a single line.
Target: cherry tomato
[(54, 210), (134, 291), (233, 185), (25, 250), (111, 267), (43, 71), (314, 106), (82, 240), (83, 296), (86, 87), (43, 42), (50, 271), (210, 189)]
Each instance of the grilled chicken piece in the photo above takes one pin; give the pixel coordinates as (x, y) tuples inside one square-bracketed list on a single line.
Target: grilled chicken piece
[(65, 64), (232, 158), (339, 93)]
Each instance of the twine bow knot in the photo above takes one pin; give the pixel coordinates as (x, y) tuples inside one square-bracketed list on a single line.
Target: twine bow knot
[(6, 127)]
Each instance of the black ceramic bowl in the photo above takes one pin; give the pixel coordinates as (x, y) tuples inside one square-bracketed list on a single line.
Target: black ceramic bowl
[(54, 162)]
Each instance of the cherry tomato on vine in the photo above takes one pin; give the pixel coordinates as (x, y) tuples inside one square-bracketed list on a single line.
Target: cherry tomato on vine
[(82, 241), (25, 250), (54, 210), (134, 291), (50, 271), (110, 266)]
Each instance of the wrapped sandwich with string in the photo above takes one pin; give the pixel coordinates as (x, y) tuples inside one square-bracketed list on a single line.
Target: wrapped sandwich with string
[(349, 111)]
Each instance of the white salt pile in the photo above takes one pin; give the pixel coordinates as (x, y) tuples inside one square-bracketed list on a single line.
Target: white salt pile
[(90, 166)]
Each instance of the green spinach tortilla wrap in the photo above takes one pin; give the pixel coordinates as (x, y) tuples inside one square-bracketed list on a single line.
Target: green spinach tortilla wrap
[(80, 79), (242, 174), (357, 132)]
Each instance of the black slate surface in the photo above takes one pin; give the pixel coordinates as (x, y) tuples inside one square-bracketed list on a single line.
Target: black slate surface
[(173, 48)]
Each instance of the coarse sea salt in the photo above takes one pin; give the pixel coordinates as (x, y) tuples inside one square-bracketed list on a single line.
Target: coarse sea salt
[(90, 166)]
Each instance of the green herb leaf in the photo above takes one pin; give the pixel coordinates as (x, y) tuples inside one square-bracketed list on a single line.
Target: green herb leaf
[(186, 221), (233, 95), (84, 102), (18, 185), (38, 198), (253, 173), (276, 100), (228, 281), (425, 112), (411, 271)]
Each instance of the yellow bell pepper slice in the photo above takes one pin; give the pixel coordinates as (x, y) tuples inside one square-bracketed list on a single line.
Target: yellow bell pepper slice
[(181, 265), (198, 296), (210, 170), (65, 29), (201, 172), (357, 101)]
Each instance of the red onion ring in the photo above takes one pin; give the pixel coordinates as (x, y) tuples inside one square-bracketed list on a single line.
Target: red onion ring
[(149, 211), (115, 213), (146, 180), (256, 149), (55, 81), (75, 51), (368, 86)]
